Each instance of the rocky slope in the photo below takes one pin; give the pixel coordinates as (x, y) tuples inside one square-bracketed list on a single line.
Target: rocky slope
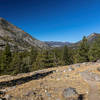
[(92, 37), (74, 82), (17, 38)]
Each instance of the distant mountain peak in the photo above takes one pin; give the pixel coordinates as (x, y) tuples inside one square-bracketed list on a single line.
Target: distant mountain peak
[(93, 35)]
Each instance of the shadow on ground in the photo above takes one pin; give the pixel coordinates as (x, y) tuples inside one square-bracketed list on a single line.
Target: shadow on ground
[(23, 79)]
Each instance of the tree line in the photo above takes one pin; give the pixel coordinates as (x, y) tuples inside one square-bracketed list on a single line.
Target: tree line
[(35, 59)]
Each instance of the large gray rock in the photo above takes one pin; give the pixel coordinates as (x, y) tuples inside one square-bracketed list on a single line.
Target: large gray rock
[(69, 92)]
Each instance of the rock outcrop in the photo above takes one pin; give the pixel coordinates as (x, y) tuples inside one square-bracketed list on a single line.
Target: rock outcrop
[(70, 94)]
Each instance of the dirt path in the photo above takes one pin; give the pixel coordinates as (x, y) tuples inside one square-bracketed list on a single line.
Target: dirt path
[(93, 93)]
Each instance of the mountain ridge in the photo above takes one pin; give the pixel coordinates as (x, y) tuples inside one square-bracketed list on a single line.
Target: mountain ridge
[(21, 40), (90, 38), (16, 37)]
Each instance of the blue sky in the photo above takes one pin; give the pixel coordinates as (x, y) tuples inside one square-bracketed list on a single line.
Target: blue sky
[(53, 20)]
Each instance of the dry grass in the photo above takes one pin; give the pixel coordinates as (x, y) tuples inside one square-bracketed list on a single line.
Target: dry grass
[(52, 84)]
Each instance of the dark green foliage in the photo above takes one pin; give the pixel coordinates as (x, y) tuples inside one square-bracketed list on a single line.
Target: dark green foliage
[(75, 56), (94, 52), (33, 55), (58, 56), (45, 59), (18, 65), (66, 56), (35, 59), (83, 51), (5, 59)]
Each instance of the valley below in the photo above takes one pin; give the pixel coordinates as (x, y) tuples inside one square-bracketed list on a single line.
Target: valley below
[(74, 82)]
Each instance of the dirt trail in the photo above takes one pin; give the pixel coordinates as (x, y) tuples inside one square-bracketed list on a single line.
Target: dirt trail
[(93, 93)]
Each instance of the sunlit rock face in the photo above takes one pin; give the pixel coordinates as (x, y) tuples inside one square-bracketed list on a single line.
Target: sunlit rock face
[(17, 37)]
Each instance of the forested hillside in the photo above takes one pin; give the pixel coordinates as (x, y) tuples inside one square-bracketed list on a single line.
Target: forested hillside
[(35, 59)]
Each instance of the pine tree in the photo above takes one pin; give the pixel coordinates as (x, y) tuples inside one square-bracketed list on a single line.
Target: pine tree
[(49, 59), (6, 59), (83, 51), (94, 52), (58, 56), (75, 56), (18, 65), (38, 64), (66, 57), (15, 64), (33, 55), (45, 59)]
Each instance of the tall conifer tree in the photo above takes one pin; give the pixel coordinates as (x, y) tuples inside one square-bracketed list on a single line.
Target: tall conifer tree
[(94, 52), (83, 51), (5, 59)]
